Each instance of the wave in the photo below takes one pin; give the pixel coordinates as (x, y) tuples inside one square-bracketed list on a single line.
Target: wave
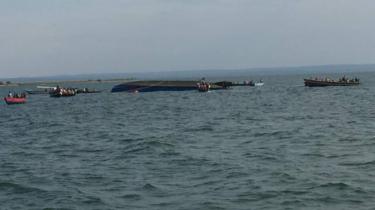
[(19, 189), (211, 205), (339, 186), (279, 134), (149, 187), (200, 128), (236, 174), (93, 200), (132, 196), (368, 163), (208, 183), (147, 145)]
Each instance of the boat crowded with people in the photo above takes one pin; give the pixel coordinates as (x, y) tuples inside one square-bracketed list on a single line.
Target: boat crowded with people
[(203, 86), (62, 92), (15, 98), (319, 82)]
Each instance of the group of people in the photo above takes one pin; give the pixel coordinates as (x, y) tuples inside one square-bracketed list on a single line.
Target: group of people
[(16, 95), (63, 91), (326, 79), (343, 79), (249, 83), (203, 86)]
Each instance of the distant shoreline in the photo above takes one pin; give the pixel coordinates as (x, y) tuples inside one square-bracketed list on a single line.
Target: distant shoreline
[(199, 73), (53, 82)]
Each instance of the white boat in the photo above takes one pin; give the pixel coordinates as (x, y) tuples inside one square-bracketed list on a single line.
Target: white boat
[(259, 83)]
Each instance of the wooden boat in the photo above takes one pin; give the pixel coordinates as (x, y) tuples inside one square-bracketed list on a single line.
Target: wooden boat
[(12, 100), (324, 83), (62, 92), (58, 94)]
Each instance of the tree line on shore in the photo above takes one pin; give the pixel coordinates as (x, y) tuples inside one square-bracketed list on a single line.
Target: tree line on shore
[(5, 82)]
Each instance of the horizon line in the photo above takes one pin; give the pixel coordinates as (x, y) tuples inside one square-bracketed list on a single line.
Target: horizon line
[(191, 70)]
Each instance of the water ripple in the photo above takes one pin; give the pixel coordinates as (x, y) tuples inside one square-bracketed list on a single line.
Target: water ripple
[(281, 146)]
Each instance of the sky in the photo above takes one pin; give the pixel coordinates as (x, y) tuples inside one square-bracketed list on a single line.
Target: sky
[(57, 37)]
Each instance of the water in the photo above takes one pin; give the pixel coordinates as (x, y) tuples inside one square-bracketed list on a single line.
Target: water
[(280, 146)]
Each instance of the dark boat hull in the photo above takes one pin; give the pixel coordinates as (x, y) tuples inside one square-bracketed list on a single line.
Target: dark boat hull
[(152, 86), (315, 83), (57, 95)]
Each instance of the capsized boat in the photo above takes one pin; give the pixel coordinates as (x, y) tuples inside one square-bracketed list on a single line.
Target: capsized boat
[(13, 100), (151, 86), (328, 82), (163, 85)]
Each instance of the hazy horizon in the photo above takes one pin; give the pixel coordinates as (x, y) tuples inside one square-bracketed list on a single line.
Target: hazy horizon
[(319, 70), (52, 37)]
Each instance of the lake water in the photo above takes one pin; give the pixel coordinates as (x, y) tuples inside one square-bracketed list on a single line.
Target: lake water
[(280, 146)]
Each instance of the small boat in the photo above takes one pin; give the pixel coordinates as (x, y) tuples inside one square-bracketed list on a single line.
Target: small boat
[(62, 92), (328, 82), (12, 100), (59, 94), (260, 83), (37, 92)]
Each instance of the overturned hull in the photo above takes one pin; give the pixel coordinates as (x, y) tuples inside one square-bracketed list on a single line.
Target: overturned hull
[(152, 86)]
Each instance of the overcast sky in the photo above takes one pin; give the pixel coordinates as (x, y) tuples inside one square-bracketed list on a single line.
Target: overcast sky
[(50, 37)]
